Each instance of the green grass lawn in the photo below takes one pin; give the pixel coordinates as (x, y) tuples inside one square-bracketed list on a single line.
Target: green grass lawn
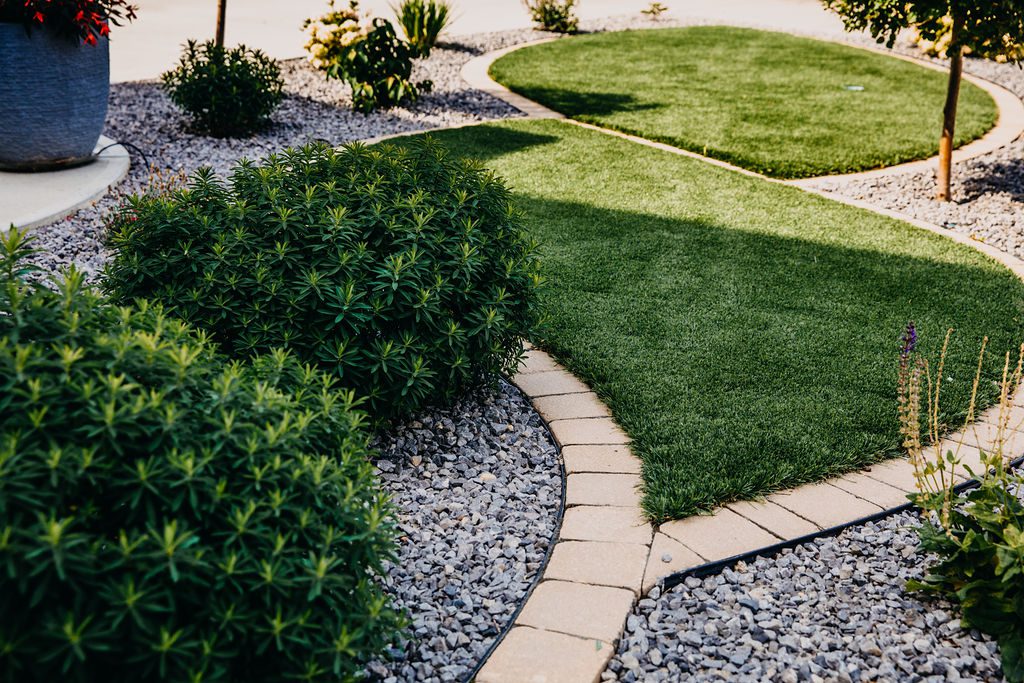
[(770, 102), (744, 333)]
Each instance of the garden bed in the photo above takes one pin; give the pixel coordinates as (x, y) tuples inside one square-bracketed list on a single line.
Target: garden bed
[(835, 608)]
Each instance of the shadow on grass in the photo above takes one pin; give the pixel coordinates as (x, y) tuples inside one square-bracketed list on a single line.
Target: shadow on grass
[(591, 104)]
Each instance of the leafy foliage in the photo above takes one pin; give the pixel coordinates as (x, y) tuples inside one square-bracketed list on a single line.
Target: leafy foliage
[(422, 21), (167, 517), (985, 28), (981, 564), (558, 16), (227, 92), (978, 538), (404, 272), (366, 54)]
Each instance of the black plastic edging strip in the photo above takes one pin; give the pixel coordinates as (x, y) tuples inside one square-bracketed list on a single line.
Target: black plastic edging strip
[(547, 554), (709, 568)]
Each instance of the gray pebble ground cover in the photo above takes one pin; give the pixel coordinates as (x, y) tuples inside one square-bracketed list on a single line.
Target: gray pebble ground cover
[(478, 491), (834, 609)]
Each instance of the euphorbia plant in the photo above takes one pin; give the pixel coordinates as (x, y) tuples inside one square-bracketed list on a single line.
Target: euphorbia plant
[(85, 20)]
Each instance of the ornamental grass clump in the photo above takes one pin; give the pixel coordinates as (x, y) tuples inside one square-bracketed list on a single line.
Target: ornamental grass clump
[(422, 22), (165, 516), (977, 537), (401, 270)]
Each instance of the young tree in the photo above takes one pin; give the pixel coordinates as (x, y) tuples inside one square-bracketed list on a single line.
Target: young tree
[(992, 29), (222, 8)]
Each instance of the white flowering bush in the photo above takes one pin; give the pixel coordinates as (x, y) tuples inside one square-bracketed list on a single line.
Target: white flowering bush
[(366, 53)]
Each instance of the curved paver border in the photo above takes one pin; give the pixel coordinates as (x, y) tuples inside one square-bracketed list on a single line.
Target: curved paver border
[(607, 555), (28, 200)]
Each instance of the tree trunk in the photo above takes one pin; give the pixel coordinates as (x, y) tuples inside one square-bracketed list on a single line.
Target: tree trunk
[(222, 7), (956, 67)]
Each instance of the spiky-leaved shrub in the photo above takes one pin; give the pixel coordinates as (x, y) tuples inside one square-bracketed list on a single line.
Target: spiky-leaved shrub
[(404, 272), (166, 517)]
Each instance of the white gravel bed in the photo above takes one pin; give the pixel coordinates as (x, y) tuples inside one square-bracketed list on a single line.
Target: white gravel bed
[(834, 609), (478, 492)]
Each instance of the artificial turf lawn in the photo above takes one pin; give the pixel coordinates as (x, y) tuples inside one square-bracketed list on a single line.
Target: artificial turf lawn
[(769, 102), (744, 333)]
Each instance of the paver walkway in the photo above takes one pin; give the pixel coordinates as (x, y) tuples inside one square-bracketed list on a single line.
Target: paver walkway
[(607, 554)]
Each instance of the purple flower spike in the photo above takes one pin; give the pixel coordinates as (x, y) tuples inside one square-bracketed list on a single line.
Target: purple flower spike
[(909, 340)]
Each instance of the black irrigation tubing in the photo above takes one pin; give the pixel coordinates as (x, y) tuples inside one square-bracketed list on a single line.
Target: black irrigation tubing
[(710, 568), (547, 554), (128, 146)]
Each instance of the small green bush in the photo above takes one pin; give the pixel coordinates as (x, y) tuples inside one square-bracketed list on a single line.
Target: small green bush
[(558, 16), (167, 517), (422, 21), (227, 93), (404, 272), (366, 54)]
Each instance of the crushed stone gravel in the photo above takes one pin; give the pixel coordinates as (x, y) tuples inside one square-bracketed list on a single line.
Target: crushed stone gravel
[(833, 609)]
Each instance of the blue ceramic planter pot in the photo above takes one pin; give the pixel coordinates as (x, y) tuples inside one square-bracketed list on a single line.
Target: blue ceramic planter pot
[(53, 98)]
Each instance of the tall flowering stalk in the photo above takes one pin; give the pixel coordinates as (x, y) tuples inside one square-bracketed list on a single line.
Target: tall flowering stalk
[(976, 539), (85, 20)]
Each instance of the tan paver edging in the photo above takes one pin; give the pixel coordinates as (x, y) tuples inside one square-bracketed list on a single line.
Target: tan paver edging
[(567, 629), (1009, 125), (607, 555)]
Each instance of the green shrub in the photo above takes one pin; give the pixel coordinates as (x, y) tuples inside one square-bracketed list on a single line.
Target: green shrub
[(558, 16), (167, 517), (422, 21), (976, 538), (402, 271), (366, 54), (227, 93)]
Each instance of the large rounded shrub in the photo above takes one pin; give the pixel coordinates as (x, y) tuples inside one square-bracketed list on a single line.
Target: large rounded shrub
[(166, 517), (403, 271)]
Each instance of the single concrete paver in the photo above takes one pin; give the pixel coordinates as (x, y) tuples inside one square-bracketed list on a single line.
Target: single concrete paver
[(605, 523), (550, 383), (773, 518), (896, 473), (871, 490), (667, 557), (578, 609), (600, 458), (589, 431), (571, 406), (603, 489), (718, 536), (619, 565), (536, 360), (529, 655), (985, 436), (826, 506)]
